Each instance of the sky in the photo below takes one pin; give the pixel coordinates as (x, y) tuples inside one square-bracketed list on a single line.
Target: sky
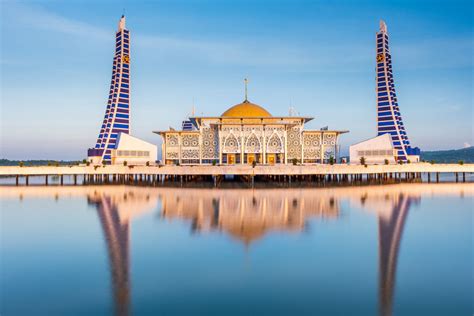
[(315, 56)]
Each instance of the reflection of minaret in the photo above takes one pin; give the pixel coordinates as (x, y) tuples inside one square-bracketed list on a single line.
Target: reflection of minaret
[(390, 234), (117, 236)]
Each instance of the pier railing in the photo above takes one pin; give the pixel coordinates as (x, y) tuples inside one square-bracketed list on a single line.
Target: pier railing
[(276, 174), (316, 169)]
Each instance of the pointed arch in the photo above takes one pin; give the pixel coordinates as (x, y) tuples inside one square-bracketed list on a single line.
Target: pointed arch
[(231, 144), (274, 144), (253, 145)]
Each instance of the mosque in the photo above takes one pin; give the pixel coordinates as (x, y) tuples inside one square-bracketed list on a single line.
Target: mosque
[(244, 134), (247, 133)]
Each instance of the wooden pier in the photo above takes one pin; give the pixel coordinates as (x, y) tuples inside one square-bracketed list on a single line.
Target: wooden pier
[(160, 175)]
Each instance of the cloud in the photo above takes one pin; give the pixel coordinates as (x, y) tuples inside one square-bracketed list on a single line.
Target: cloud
[(311, 57), (466, 145), (228, 52), (39, 18), (249, 52)]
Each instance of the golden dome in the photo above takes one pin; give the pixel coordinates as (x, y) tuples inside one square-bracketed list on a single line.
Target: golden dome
[(246, 109)]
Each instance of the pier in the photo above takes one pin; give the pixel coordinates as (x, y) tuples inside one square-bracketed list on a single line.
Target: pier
[(280, 174)]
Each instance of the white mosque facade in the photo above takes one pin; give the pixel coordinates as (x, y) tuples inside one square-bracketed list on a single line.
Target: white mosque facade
[(246, 134)]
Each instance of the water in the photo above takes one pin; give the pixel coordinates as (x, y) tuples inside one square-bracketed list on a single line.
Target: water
[(401, 249)]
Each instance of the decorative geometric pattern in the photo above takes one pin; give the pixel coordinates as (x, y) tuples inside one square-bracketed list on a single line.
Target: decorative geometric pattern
[(190, 154), (190, 140), (172, 140), (294, 143), (270, 130), (312, 153), (312, 140), (253, 144), (231, 144), (312, 145), (231, 129), (275, 144), (329, 139), (210, 143), (172, 155)]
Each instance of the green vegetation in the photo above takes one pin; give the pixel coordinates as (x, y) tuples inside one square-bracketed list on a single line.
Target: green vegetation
[(29, 163), (331, 160), (295, 161), (449, 156), (386, 161), (254, 164), (362, 160)]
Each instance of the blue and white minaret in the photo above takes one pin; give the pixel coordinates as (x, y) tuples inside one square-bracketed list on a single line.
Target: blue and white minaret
[(117, 113), (389, 119)]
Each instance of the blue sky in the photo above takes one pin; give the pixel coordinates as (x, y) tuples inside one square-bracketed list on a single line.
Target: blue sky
[(316, 56)]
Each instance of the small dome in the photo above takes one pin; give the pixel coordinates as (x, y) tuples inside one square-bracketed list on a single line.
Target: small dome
[(246, 109)]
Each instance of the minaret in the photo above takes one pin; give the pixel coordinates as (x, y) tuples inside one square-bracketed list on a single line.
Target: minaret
[(389, 119), (117, 113)]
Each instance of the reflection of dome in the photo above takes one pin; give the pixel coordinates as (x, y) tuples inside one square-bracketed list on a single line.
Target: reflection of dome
[(246, 109)]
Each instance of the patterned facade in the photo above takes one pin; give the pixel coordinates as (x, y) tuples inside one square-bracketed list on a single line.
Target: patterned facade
[(389, 119), (248, 135), (117, 113)]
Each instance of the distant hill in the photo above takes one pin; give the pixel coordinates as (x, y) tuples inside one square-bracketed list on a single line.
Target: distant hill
[(450, 156), (7, 162)]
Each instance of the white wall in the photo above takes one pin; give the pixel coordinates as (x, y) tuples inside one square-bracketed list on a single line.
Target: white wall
[(130, 143), (379, 143)]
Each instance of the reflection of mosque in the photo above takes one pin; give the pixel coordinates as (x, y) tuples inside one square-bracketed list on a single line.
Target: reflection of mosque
[(247, 215)]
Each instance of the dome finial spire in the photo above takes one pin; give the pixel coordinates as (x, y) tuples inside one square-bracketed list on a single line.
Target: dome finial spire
[(246, 81), (383, 26), (121, 25)]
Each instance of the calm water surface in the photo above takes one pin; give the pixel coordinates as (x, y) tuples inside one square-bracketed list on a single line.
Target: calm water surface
[(402, 249)]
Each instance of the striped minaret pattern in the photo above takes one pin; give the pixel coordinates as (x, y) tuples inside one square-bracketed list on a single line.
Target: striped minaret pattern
[(117, 113), (389, 119)]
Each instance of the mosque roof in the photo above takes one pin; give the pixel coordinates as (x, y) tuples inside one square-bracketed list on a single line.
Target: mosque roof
[(246, 109)]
